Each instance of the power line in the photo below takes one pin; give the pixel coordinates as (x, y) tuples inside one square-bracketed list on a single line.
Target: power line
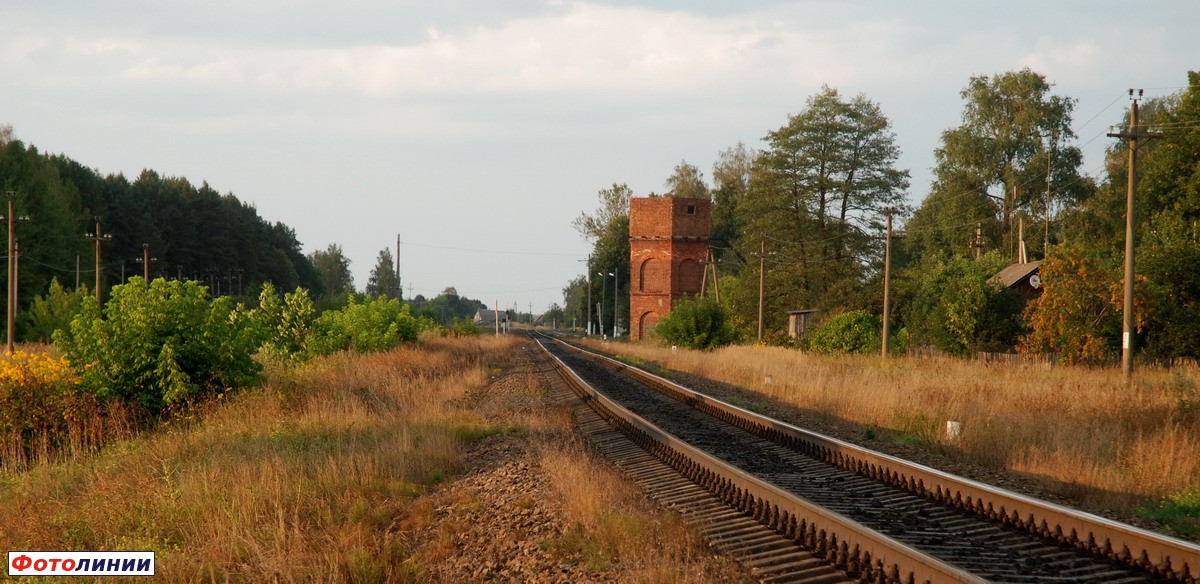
[(506, 252)]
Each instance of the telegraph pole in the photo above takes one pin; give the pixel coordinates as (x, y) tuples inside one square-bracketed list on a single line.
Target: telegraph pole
[(12, 267), (762, 272), (887, 277), (99, 238), (16, 277), (146, 259), (1131, 138), (399, 286), (616, 295), (1049, 161)]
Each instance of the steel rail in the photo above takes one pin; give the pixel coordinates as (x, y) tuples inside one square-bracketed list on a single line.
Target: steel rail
[(1159, 555), (848, 544)]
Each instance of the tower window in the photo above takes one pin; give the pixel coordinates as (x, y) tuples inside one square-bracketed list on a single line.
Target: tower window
[(691, 209)]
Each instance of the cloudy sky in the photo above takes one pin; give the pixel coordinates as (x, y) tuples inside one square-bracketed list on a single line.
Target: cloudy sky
[(478, 130)]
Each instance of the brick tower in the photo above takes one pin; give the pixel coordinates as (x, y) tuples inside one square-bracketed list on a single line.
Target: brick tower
[(668, 245)]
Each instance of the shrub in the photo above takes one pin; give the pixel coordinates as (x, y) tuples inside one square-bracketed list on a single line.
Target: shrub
[(696, 324), (956, 308), (36, 393), (52, 312), (856, 331), (161, 344), (462, 327), (367, 326), (288, 326)]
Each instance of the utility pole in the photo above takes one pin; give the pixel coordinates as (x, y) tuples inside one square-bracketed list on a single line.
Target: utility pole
[(496, 315), (12, 267), (99, 238), (616, 294), (887, 277), (762, 272), (1049, 161), (399, 286), (978, 244), (145, 261), (77, 260), (589, 302), (1131, 187), (16, 279), (603, 295)]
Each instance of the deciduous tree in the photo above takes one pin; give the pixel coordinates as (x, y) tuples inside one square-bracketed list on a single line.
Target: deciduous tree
[(334, 268), (993, 166)]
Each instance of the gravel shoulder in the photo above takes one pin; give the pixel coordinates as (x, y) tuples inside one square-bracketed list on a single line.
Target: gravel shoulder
[(510, 517)]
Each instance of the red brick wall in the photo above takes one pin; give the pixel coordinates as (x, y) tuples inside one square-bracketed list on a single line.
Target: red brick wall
[(668, 244)]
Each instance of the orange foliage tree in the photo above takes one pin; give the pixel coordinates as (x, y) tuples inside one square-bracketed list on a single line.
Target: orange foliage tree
[(1075, 316)]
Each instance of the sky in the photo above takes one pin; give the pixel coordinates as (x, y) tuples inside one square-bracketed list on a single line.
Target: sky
[(477, 131)]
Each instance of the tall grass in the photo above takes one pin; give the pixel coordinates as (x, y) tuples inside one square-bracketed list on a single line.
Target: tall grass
[(610, 522), (1082, 431), (304, 479)]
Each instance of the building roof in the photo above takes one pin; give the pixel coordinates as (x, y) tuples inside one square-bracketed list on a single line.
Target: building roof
[(1012, 275)]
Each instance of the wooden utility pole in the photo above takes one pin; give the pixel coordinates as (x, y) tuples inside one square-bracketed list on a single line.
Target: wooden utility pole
[(978, 244), (1049, 161), (716, 280), (399, 286), (887, 277), (145, 260), (762, 271), (16, 277), (1131, 138), (99, 238), (12, 267), (496, 315)]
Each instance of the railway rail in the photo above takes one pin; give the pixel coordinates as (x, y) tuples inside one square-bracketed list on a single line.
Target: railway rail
[(876, 517)]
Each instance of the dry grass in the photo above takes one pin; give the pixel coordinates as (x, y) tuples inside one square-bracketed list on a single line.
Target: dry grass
[(1081, 429), (307, 479), (612, 524)]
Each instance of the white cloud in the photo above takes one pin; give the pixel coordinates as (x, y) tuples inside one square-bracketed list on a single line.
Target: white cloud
[(587, 48)]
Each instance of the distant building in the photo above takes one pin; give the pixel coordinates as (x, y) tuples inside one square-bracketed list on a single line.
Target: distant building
[(1023, 278), (798, 321), (668, 245), (486, 318)]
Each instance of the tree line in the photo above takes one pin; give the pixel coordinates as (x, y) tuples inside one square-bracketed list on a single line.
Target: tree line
[(811, 205), (190, 232)]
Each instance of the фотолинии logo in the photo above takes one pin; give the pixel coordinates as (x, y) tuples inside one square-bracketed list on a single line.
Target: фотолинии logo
[(75, 563)]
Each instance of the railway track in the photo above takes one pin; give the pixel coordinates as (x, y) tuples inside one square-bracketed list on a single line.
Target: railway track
[(870, 515)]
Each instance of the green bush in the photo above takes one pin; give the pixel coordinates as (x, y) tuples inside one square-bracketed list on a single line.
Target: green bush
[(462, 327), (288, 326), (366, 326), (52, 312), (162, 344), (856, 331), (696, 324)]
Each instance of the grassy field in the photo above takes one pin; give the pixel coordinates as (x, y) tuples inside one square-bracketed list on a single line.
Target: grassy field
[(1131, 449), (328, 473), (300, 480)]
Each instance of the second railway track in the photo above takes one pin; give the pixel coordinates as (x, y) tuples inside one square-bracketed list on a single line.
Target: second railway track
[(878, 518)]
